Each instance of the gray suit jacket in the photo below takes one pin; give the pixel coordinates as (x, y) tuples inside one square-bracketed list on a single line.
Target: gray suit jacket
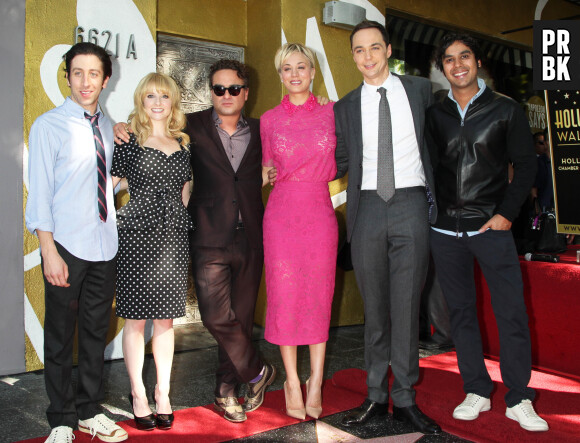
[(349, 147)]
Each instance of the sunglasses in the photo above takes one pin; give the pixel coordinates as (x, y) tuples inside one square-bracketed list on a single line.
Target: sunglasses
[(234, 90)]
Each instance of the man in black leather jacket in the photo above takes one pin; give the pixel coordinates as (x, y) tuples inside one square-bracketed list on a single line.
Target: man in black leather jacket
[(472, 135)]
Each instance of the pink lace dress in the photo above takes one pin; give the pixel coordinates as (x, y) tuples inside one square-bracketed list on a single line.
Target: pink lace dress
[(300, 228)]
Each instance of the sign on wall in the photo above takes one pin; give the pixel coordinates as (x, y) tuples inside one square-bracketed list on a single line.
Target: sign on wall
[(536, 113), (564, 129)]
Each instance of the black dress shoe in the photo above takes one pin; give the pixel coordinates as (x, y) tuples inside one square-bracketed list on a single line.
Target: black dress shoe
[(431, 345), (164, 421), (413, 415), (364, 413), (146, 423)]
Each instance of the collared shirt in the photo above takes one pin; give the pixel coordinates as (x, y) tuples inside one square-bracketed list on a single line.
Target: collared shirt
[(462, 113), (406, 156), (235, 145), (62, 193)]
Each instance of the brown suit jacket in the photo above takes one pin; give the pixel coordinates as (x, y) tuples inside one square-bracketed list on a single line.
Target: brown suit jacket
[(219, 192)]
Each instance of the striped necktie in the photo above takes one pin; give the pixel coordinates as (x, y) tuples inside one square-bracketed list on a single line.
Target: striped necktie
[(385, 166), (101, 166)]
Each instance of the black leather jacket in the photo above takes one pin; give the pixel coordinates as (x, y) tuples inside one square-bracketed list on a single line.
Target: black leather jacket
[(470, 160)]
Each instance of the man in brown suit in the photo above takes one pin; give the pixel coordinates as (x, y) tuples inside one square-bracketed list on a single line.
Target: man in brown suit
[(226, 246)]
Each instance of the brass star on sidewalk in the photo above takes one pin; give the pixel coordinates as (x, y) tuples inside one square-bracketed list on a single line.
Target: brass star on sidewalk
[(326, 433)]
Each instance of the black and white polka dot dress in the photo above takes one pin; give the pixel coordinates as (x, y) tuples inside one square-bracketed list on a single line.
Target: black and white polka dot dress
[(153, 232)]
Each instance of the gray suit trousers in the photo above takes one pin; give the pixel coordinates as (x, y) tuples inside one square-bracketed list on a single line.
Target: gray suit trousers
[(390, 255)]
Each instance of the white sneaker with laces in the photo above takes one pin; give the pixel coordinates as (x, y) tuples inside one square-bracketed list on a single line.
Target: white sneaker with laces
[(470, 408), (527, 417), (60, 434), (103, 428)]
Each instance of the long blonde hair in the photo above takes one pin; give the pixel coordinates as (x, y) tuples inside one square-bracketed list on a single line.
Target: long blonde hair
[(139, 120)]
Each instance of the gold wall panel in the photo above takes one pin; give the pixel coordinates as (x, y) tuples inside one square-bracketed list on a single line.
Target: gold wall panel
[(221, 21)]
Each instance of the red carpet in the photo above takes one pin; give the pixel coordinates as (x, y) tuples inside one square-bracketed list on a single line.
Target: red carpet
[(440, 389), (203, 425), (438, 392), (557, 401)]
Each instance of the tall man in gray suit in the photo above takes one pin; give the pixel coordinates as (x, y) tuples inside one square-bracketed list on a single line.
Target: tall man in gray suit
[(388, 213)]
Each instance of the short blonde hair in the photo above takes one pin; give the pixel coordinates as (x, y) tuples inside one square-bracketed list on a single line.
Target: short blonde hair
[(287, 49), (139, 120)]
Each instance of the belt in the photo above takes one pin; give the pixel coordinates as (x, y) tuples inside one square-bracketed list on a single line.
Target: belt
[(240, 225), (409, 189)]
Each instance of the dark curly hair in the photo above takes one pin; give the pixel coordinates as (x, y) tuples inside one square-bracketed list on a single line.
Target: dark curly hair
[(241, 70), (450, 38)]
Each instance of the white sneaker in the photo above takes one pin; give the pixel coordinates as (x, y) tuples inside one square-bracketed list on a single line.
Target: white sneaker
[(524, 413), (470, 408), (60, 434), (104, 428)]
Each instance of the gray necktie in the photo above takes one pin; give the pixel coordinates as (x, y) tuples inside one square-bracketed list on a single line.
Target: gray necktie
[(385, 168)]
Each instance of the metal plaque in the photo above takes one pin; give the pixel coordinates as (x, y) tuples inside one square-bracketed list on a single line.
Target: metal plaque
[(187, 61)]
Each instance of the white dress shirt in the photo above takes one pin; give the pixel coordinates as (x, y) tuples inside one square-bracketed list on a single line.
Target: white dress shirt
[(62, 194), (406, 156)]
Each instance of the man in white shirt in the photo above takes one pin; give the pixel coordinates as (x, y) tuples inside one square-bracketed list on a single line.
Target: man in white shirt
[(70, 208), (387, 219)]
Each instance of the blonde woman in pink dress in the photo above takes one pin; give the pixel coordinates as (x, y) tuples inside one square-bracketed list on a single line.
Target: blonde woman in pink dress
[(300, 228)]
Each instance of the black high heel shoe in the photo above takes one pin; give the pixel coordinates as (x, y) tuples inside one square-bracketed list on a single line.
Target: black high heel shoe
[(165, 421), (146, 423)]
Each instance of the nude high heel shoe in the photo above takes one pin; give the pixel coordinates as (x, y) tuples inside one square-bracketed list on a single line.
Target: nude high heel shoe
[(311, 410), (300, 414)]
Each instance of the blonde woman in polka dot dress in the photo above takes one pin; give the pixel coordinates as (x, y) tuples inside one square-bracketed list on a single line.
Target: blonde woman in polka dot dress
[(153, 238)]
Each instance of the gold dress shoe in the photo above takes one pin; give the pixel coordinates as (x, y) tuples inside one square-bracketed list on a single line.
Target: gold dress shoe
[(299, 414), (232, 410), (255, 392)]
